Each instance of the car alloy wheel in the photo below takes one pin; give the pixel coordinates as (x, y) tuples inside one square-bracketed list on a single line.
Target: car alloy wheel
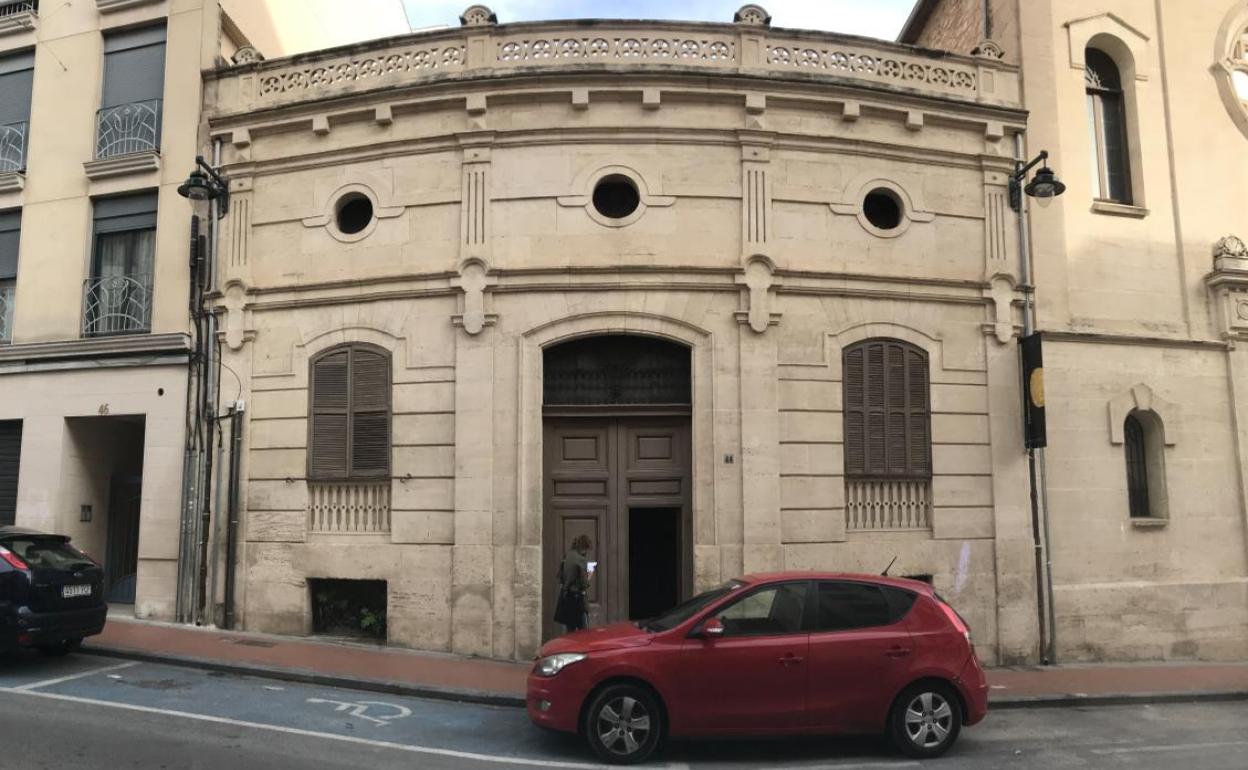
[(623, 724), (925, 721)]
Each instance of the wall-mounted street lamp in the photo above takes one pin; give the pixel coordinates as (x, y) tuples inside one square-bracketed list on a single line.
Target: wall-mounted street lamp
[(1044, 187), (205, 184)]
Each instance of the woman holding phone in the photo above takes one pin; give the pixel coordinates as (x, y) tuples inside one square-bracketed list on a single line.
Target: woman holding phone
[(574, 573)]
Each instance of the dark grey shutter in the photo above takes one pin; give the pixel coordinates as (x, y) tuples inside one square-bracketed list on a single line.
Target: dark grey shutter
[(327, 451), (134, 66), (17, 74), (122, 213), (10, 241), (370, 413), (886, 411), (10, 461)]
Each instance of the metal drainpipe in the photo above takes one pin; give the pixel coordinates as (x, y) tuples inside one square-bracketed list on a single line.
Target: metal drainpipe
[(1035, 457), (212, 533), (231, 532)]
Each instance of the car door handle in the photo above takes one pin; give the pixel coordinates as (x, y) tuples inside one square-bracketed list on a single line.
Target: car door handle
[(791, 660), (897, 652)]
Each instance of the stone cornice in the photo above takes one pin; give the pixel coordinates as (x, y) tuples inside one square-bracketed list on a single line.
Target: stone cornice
[(619, 278), (109, 6), (1107, 338), (22, 21), (97, 347), (122, 165), (616, 46)]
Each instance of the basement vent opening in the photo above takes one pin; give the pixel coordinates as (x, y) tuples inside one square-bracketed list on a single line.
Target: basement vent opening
[(351, 608)]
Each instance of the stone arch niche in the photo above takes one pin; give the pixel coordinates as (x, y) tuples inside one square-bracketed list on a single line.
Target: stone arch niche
[(530, 505)]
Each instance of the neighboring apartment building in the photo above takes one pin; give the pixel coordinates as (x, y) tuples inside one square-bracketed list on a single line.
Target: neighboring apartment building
[(1142, 292), (99, 124), (722, 297)]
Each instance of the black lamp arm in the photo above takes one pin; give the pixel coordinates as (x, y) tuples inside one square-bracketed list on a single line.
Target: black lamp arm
[(1020, 170), (222, 184)]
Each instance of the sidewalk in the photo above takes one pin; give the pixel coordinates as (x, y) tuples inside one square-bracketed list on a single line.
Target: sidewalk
[(393, 670)]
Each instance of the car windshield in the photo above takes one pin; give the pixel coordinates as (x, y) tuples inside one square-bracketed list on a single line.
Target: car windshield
[(687, 609), (48, 553)]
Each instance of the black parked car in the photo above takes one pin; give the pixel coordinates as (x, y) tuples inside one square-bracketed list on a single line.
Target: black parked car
[(51, 593)]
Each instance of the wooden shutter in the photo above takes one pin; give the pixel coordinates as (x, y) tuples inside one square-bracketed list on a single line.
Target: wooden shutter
[(886, 413), (370, 413), (350, 414), (330, 400), (854, 413)]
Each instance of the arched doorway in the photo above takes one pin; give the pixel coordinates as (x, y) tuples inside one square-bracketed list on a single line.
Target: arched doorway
[(617, 467)]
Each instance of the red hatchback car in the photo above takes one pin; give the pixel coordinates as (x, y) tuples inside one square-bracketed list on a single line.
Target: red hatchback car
[(782, 654)]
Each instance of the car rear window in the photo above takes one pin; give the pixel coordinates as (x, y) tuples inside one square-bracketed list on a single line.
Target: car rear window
[(48, 553), (847, 605)]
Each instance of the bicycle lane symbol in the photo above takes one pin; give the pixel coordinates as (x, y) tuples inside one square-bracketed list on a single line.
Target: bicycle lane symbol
[(360, 709)]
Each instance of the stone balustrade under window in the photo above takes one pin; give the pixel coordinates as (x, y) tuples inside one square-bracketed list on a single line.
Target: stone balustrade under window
[(886, 504), (349, 507)]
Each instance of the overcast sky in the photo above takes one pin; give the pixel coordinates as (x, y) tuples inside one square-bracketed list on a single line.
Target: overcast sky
[(874, 18)]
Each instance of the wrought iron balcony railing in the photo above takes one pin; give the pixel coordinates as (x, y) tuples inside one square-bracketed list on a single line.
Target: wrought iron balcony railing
[(14, 7), (118, 304), (13, 147), (6, 314), (128, 128)]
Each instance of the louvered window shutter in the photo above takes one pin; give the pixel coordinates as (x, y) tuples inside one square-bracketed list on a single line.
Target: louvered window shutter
[(370, 413), (330, 400), (350, 406), (886, 411)]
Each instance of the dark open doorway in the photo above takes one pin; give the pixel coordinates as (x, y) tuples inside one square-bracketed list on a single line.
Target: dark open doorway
[(653, 561)]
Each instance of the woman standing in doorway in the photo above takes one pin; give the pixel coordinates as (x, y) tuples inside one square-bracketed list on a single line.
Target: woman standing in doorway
[(574, 574)]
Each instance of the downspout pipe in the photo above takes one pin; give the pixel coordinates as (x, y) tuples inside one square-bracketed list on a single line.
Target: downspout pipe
[(1035, 457), (231, 531)]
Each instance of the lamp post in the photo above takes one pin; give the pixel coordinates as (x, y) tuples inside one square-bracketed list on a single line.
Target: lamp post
[(209, 195), (1044, 187)]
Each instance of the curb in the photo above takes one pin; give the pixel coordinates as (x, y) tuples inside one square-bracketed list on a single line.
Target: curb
[(1069, 700), (480, 697)]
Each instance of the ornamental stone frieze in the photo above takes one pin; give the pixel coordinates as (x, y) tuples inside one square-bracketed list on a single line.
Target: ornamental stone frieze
[(487, 49), (1228, 286)]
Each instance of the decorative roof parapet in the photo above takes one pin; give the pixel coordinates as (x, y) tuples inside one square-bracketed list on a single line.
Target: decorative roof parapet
[(1230, 246), (988, 49), (489, 50), (752, 15), (477, 16)]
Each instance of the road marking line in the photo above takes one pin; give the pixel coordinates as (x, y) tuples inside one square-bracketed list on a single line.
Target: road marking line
[(1179, 747), (491, 758), (72, 677)]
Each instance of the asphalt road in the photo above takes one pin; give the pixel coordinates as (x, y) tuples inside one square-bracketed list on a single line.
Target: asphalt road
[(86, 712)]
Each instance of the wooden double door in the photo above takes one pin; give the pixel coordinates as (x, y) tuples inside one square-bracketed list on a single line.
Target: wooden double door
[(625, 483)]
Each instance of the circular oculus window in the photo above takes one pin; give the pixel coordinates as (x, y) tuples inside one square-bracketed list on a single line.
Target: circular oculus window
[(616, 196), (883, 209), (353, 213)]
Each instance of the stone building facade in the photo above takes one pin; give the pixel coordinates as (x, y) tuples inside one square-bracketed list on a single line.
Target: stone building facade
[(100, 107), (1140, 296), (489, 288)]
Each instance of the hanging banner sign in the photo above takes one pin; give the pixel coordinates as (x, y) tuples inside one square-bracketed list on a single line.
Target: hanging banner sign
[(1034, 435)]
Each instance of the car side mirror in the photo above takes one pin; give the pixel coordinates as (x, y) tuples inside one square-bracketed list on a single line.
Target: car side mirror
[(712, 628)]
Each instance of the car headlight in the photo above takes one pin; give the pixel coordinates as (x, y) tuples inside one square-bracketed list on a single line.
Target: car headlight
[(553, 664)]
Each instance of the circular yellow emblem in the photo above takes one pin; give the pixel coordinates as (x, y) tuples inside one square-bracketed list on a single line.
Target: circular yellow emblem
[(1036, 386)]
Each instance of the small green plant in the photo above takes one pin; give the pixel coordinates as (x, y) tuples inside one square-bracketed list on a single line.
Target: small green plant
[(373, 623)]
